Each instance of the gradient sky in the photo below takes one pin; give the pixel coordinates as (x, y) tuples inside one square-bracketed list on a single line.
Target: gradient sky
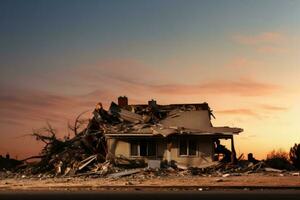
[(59, 58)]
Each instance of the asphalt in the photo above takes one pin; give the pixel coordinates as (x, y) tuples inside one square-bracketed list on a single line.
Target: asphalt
[(154, 195)]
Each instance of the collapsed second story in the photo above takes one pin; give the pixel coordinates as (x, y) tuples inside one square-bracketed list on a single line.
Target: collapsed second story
[(123, 119)]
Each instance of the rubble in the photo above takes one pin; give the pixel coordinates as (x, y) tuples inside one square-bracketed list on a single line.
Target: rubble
[(269, 169), (124, 173), (6, 163), (154, 164), (225, 175), (296, 174)]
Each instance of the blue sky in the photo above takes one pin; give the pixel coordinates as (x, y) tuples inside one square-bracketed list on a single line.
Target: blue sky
[(43, 35)]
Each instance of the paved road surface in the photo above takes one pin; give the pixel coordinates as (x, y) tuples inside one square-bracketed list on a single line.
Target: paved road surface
[(140, 195)]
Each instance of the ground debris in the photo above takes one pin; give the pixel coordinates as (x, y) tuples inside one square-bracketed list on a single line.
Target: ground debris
[(124, 173)]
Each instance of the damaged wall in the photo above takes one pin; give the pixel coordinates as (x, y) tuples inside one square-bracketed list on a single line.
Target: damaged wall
[(204, 153), (198, 119)]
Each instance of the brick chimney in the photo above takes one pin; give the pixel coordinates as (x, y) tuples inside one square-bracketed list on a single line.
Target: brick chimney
[(152, 103), (122, 101)]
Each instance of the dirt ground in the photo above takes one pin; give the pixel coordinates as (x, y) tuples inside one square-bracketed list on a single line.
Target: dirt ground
[(249, 180)]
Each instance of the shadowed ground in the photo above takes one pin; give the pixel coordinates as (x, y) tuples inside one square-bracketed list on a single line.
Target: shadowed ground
[(138, 195)]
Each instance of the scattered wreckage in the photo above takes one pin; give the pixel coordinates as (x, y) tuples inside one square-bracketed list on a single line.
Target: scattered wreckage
[(128, 140)]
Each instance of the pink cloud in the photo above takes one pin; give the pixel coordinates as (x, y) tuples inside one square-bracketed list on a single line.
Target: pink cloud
[(242, 87), (256, 111), (243, 63), (27, 106), (127, 70), (241, 111), (266, 42), (133, 77), (271, 49), (240, 62), (262, 38), (273, 108)]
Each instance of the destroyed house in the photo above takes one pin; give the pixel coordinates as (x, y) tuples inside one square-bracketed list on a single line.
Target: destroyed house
[(178, 133)]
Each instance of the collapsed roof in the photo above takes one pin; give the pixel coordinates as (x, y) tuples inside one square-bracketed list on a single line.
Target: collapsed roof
[(152, 119)]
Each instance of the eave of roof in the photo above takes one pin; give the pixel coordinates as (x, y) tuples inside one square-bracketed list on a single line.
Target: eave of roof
[(212, 131)]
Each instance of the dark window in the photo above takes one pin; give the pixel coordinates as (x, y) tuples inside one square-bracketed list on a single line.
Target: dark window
[(151, 149), (143, 148), (192, 147), (134, 149), (187, 147), (183, 147)]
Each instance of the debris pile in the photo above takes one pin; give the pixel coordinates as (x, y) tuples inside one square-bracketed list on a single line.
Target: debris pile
[(87, 150), (69, 155), (7, 163)]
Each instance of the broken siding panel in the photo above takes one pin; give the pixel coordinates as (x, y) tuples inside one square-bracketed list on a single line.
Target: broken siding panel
[(195, 120), (119, 147)]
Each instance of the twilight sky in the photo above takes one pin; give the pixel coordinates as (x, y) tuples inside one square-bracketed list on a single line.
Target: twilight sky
[(60, 57)]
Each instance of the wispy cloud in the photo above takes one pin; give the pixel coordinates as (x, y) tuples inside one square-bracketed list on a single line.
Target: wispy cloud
[(244, 64), (255, 110), (127, 70), (273, 108), (13, 122), (242, 87), (265, 38), (25, 106), (265, 42), (271, 49), (248, 136), (110, 79), (134, 77), (241, 111)]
